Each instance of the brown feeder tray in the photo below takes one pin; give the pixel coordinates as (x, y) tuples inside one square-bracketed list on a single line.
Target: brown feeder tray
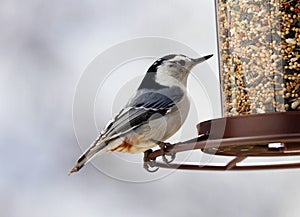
[(259, 135)]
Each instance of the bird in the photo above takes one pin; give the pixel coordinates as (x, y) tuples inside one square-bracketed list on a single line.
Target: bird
[(156, 111)]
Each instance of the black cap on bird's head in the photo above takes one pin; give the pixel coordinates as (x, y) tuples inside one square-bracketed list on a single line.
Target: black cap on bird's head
[(177, 60)]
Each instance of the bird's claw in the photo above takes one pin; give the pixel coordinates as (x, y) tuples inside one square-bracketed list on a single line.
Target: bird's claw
[(163, 146), (149, 163), (147, 166), (165, 159)]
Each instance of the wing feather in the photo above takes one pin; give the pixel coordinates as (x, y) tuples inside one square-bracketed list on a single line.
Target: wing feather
[(152, 104)]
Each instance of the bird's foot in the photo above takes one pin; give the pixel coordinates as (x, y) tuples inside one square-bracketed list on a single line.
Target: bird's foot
[(149, 163), (163, 146)]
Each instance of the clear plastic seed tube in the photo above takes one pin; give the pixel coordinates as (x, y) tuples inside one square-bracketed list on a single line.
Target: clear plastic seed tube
[(259, 45)]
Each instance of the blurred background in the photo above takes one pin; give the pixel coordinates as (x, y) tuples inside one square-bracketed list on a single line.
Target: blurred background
[(44, 48)]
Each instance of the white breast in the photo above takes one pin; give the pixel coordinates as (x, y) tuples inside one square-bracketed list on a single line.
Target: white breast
[(166, 126)]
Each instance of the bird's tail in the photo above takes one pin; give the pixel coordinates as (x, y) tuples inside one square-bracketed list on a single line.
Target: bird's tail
[(88, 155)]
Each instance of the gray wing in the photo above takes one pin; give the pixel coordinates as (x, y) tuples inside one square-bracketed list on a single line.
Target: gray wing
[(145, 105)]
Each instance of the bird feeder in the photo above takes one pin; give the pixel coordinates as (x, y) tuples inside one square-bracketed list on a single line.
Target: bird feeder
[(259, 61)]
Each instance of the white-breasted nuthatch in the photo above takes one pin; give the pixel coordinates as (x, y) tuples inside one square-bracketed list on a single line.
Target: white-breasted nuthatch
[(155, 113)]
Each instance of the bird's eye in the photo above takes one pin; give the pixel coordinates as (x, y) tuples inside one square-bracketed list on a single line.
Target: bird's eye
[(182, 62)]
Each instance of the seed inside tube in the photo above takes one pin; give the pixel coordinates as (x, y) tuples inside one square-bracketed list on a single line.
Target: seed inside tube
[(259, 55)]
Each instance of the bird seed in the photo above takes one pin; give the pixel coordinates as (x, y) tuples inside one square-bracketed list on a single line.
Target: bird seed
[(259, 43)]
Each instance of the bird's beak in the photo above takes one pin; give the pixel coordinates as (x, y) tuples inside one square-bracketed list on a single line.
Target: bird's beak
[(201, 59)]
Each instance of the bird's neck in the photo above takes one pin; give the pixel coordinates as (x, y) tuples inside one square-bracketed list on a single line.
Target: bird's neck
[(149, 82)]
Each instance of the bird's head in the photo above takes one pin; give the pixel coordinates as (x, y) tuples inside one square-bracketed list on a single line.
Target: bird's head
[(173, 66)]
